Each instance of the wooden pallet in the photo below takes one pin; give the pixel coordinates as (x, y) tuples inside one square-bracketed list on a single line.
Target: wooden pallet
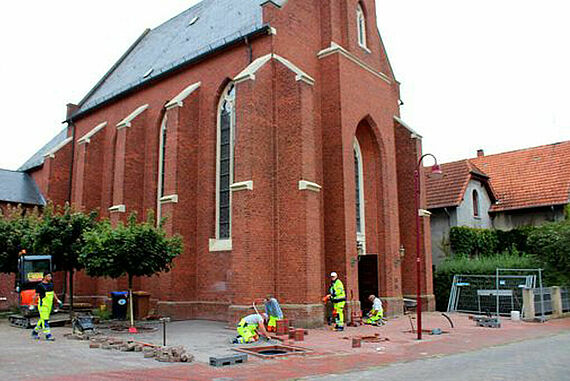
[(228, 360)]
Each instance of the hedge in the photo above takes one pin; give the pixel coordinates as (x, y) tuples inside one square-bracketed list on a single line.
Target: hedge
[(475, 242)]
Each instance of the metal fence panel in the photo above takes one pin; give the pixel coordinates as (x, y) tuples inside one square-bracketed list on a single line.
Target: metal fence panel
[(478, 293), (547, 300), (565, 294)]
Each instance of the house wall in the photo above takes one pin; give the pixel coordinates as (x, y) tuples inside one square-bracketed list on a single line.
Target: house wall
[(527, 217), (284, 240), (441, 222), (465, 215)]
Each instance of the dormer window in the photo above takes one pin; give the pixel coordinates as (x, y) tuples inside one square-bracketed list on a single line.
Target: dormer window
[(361, 26)]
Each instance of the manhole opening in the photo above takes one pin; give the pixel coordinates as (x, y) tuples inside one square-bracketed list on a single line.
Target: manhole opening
[(273, 351)]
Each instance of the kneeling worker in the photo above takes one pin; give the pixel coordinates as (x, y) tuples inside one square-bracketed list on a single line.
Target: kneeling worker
[(376, 313), (248, 329)]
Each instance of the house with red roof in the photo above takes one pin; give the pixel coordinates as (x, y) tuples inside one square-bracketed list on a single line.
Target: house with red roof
[(502, 191)]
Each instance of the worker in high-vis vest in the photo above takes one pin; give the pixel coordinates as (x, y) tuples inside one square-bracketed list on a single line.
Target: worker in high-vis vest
[(338, 298), (376, 314), (45, 297), (250, 327)]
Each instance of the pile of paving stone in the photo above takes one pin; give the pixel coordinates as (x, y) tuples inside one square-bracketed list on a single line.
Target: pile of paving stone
[(162, 354), (78, 335), (168, 354)]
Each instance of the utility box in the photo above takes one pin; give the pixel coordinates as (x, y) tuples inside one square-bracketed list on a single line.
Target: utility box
[(120, 305), (141, 306)]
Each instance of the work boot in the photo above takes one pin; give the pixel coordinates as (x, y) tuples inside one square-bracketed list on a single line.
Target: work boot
[(339, 329), (35, 335), (49, 337)]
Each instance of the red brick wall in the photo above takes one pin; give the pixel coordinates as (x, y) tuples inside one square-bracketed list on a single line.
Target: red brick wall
[(7, 291), (409, 151), (284, 240)]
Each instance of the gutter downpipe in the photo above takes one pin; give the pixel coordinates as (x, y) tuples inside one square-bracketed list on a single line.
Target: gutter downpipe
[(70, 123)]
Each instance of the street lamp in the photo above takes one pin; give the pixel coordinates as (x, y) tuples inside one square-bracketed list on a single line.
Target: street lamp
[(435, 169)]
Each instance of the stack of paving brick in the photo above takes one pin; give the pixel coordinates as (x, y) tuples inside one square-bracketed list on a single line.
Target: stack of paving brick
[(168, 354)]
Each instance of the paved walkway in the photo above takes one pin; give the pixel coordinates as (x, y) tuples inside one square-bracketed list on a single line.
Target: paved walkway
[(538, 359), (332, 353)]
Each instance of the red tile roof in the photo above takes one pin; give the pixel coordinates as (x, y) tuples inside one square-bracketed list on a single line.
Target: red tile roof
[(447, 190), (525, 178), (531, 177)]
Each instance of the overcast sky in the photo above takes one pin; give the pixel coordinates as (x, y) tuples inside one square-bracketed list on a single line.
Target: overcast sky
[(491, 74)]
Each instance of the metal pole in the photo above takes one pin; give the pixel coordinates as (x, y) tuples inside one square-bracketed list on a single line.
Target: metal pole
[(497, 291), (418, 254), (541, 295), (164, 332)]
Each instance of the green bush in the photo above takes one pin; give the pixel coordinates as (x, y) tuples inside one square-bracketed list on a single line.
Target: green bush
[(552, 244), (514, 240), (473, 242), (461, 264)]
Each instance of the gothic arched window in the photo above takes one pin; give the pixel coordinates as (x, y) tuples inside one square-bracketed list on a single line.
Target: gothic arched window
[(225, 162), (359, 195), (361, 25)]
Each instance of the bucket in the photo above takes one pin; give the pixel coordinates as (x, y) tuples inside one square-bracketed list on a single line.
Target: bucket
[(515, 315)]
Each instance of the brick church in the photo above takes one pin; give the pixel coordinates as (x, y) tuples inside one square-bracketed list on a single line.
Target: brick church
[(267, 132)]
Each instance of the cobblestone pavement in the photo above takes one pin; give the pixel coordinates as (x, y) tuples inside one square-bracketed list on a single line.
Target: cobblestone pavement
[(331, 354), (541, 359)]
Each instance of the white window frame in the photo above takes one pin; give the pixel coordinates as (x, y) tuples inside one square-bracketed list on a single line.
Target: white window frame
[(360, 235), (227, 244), (161, 145), (361, 26)]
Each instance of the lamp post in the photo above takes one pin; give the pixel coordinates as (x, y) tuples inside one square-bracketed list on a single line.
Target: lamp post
[(435, 169)]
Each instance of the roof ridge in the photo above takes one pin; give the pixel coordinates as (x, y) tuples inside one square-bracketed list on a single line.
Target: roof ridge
[(521, 149)]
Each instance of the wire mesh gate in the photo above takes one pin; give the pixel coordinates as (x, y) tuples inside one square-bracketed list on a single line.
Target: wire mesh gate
[(479, 293)]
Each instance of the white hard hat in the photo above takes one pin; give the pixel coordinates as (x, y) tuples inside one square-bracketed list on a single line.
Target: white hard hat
[(334, 274)]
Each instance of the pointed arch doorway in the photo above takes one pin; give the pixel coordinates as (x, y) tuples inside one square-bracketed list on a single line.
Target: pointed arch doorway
[(369, 216)]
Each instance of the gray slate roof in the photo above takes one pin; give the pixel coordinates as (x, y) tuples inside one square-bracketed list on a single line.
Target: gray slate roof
[(19, 187), (38, 158), (197, 31)]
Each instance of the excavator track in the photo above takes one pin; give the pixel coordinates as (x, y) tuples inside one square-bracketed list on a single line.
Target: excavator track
[(24, 322)]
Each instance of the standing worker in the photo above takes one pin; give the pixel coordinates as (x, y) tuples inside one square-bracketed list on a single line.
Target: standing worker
[(248, 328), (338, 298), (376, 314), (45, 297), (273, 310)]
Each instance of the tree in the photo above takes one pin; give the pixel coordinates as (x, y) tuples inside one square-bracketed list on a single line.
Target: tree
[(17, 228), (60, 234), (551, 243), (134, 249)]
